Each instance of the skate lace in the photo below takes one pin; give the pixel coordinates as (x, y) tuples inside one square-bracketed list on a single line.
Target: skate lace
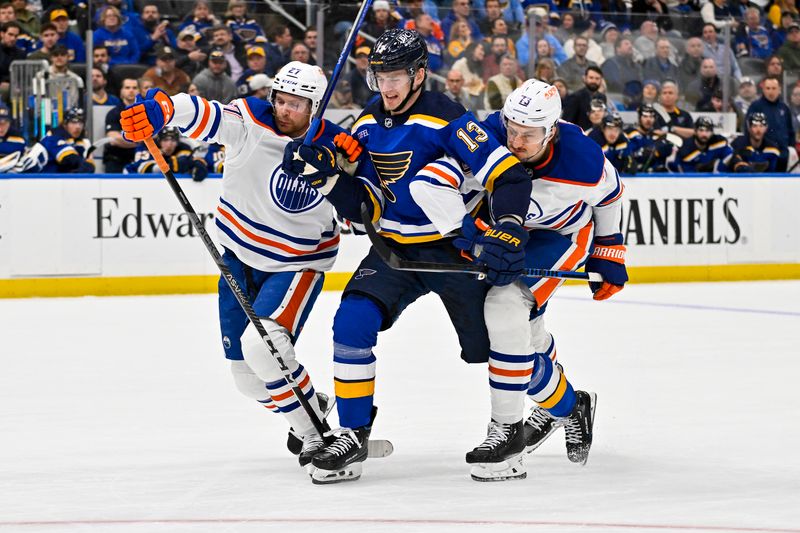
[(538, 418), (312, 442), (498, 433), (345, 439), (573, 431)]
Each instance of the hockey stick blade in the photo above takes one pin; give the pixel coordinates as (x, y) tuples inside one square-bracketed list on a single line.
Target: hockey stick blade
[(379, 448), (395, 262)]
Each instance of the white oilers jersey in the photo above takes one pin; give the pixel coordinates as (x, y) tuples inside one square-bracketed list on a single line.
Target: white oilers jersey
[(271, 221)]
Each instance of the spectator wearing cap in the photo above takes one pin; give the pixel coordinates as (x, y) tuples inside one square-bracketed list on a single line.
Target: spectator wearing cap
[(257, 85), (660, 67), (166, 75), (10, 140), (461, 11), (381, 18), (780, 28), (189, 57), (256, 63), (99, 94), (151, 32), (679, 121), (200, 19), (578, 104), (26, 17), (719, 51), (650, 90), (746, 95), (342, 97), (781, 130), (573, 69), (244, 29), (222, 39), (48, 38), (77, 50), (121, 44), (621, 68), (119, 152), (499, 86), (9, 32), (454, 88), (689, 67), (59, 69), (790, 50), (609, 34), (753, 151), (358, 77), (213, 82)]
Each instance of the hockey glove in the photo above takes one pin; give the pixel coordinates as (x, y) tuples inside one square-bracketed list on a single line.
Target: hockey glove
[(501, 248), (146, 117), (348, 145), (608, 260), (316, 164), (198, 170)]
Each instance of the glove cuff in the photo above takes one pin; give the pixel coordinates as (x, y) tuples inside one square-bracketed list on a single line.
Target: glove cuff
[(166, 104), (615, 253)]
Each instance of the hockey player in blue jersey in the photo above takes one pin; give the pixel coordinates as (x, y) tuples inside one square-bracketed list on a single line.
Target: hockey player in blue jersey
[(279, 235), (64, 149), (178, 154), (754, 151), (573, 220), (706, 151), (12, 144), (613, 141), (414, 143), (649, 146)]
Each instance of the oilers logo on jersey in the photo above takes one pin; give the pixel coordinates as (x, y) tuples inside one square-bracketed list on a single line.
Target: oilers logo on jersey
[(390, 168), (292, 194)]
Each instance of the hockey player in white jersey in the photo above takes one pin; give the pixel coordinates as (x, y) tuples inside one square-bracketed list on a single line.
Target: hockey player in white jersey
[(278, 233)]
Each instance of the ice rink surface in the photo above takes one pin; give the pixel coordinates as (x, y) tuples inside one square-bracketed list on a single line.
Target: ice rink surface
[(120, 415)]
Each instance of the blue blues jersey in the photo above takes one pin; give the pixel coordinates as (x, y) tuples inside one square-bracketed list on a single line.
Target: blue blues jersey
[(143, 163), (244, 30), (65, 153), (12, 142), (75, 46), (215, 158), (618, 153), (573, 185), (748, 158), (649, 150), (712, 157), (428, 144)]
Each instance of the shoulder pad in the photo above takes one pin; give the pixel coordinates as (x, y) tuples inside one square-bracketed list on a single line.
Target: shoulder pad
[(580, 159)]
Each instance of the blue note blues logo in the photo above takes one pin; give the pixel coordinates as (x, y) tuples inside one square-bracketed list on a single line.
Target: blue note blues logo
[(292, 194)]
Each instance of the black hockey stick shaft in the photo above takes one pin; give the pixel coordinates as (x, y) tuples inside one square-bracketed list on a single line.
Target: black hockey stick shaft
[(232, 283), (397, 263)]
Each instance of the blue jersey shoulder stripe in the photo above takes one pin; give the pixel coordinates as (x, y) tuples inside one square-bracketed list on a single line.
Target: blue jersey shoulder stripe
[(215, 125), (196, 114)]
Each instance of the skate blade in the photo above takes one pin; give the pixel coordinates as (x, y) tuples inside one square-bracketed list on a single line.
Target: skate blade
[(379, 448), (328, 477), (511, 468), (593, 402)]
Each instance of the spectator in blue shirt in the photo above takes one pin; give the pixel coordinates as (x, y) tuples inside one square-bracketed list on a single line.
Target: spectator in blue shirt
[(753, 39), (77, 51), (461, 11), (121, 44)]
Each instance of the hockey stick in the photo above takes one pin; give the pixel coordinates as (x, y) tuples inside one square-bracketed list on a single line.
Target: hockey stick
[(337, 70), (395, 262), (232, 283)]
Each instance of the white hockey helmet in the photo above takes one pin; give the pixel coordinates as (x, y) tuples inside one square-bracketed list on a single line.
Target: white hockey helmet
[(300, 79), (534, 104)]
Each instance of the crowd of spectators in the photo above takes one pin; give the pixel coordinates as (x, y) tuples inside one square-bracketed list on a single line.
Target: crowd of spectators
[(680, 55)]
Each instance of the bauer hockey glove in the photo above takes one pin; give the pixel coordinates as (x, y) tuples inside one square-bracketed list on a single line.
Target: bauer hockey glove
[(146, 117), (501, 248), (608, 260), (316, 164)]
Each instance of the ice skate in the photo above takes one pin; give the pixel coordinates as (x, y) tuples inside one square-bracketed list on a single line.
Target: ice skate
[(499, 457), (538, 427), (312, 445), (341, 459), (294, 442), (578, 426)]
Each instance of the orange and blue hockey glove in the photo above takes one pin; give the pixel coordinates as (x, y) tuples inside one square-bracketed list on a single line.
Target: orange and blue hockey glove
[(147, 116), (608, 260)]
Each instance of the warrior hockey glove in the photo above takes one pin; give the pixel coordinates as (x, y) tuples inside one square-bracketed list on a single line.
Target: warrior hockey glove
[(146, 117), (501, 248), (348, 145), (316, 164), (608, 260)]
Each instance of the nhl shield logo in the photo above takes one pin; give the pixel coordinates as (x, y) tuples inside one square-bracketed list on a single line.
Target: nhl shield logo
[(524, 101), (388, 122), (292, 193)]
